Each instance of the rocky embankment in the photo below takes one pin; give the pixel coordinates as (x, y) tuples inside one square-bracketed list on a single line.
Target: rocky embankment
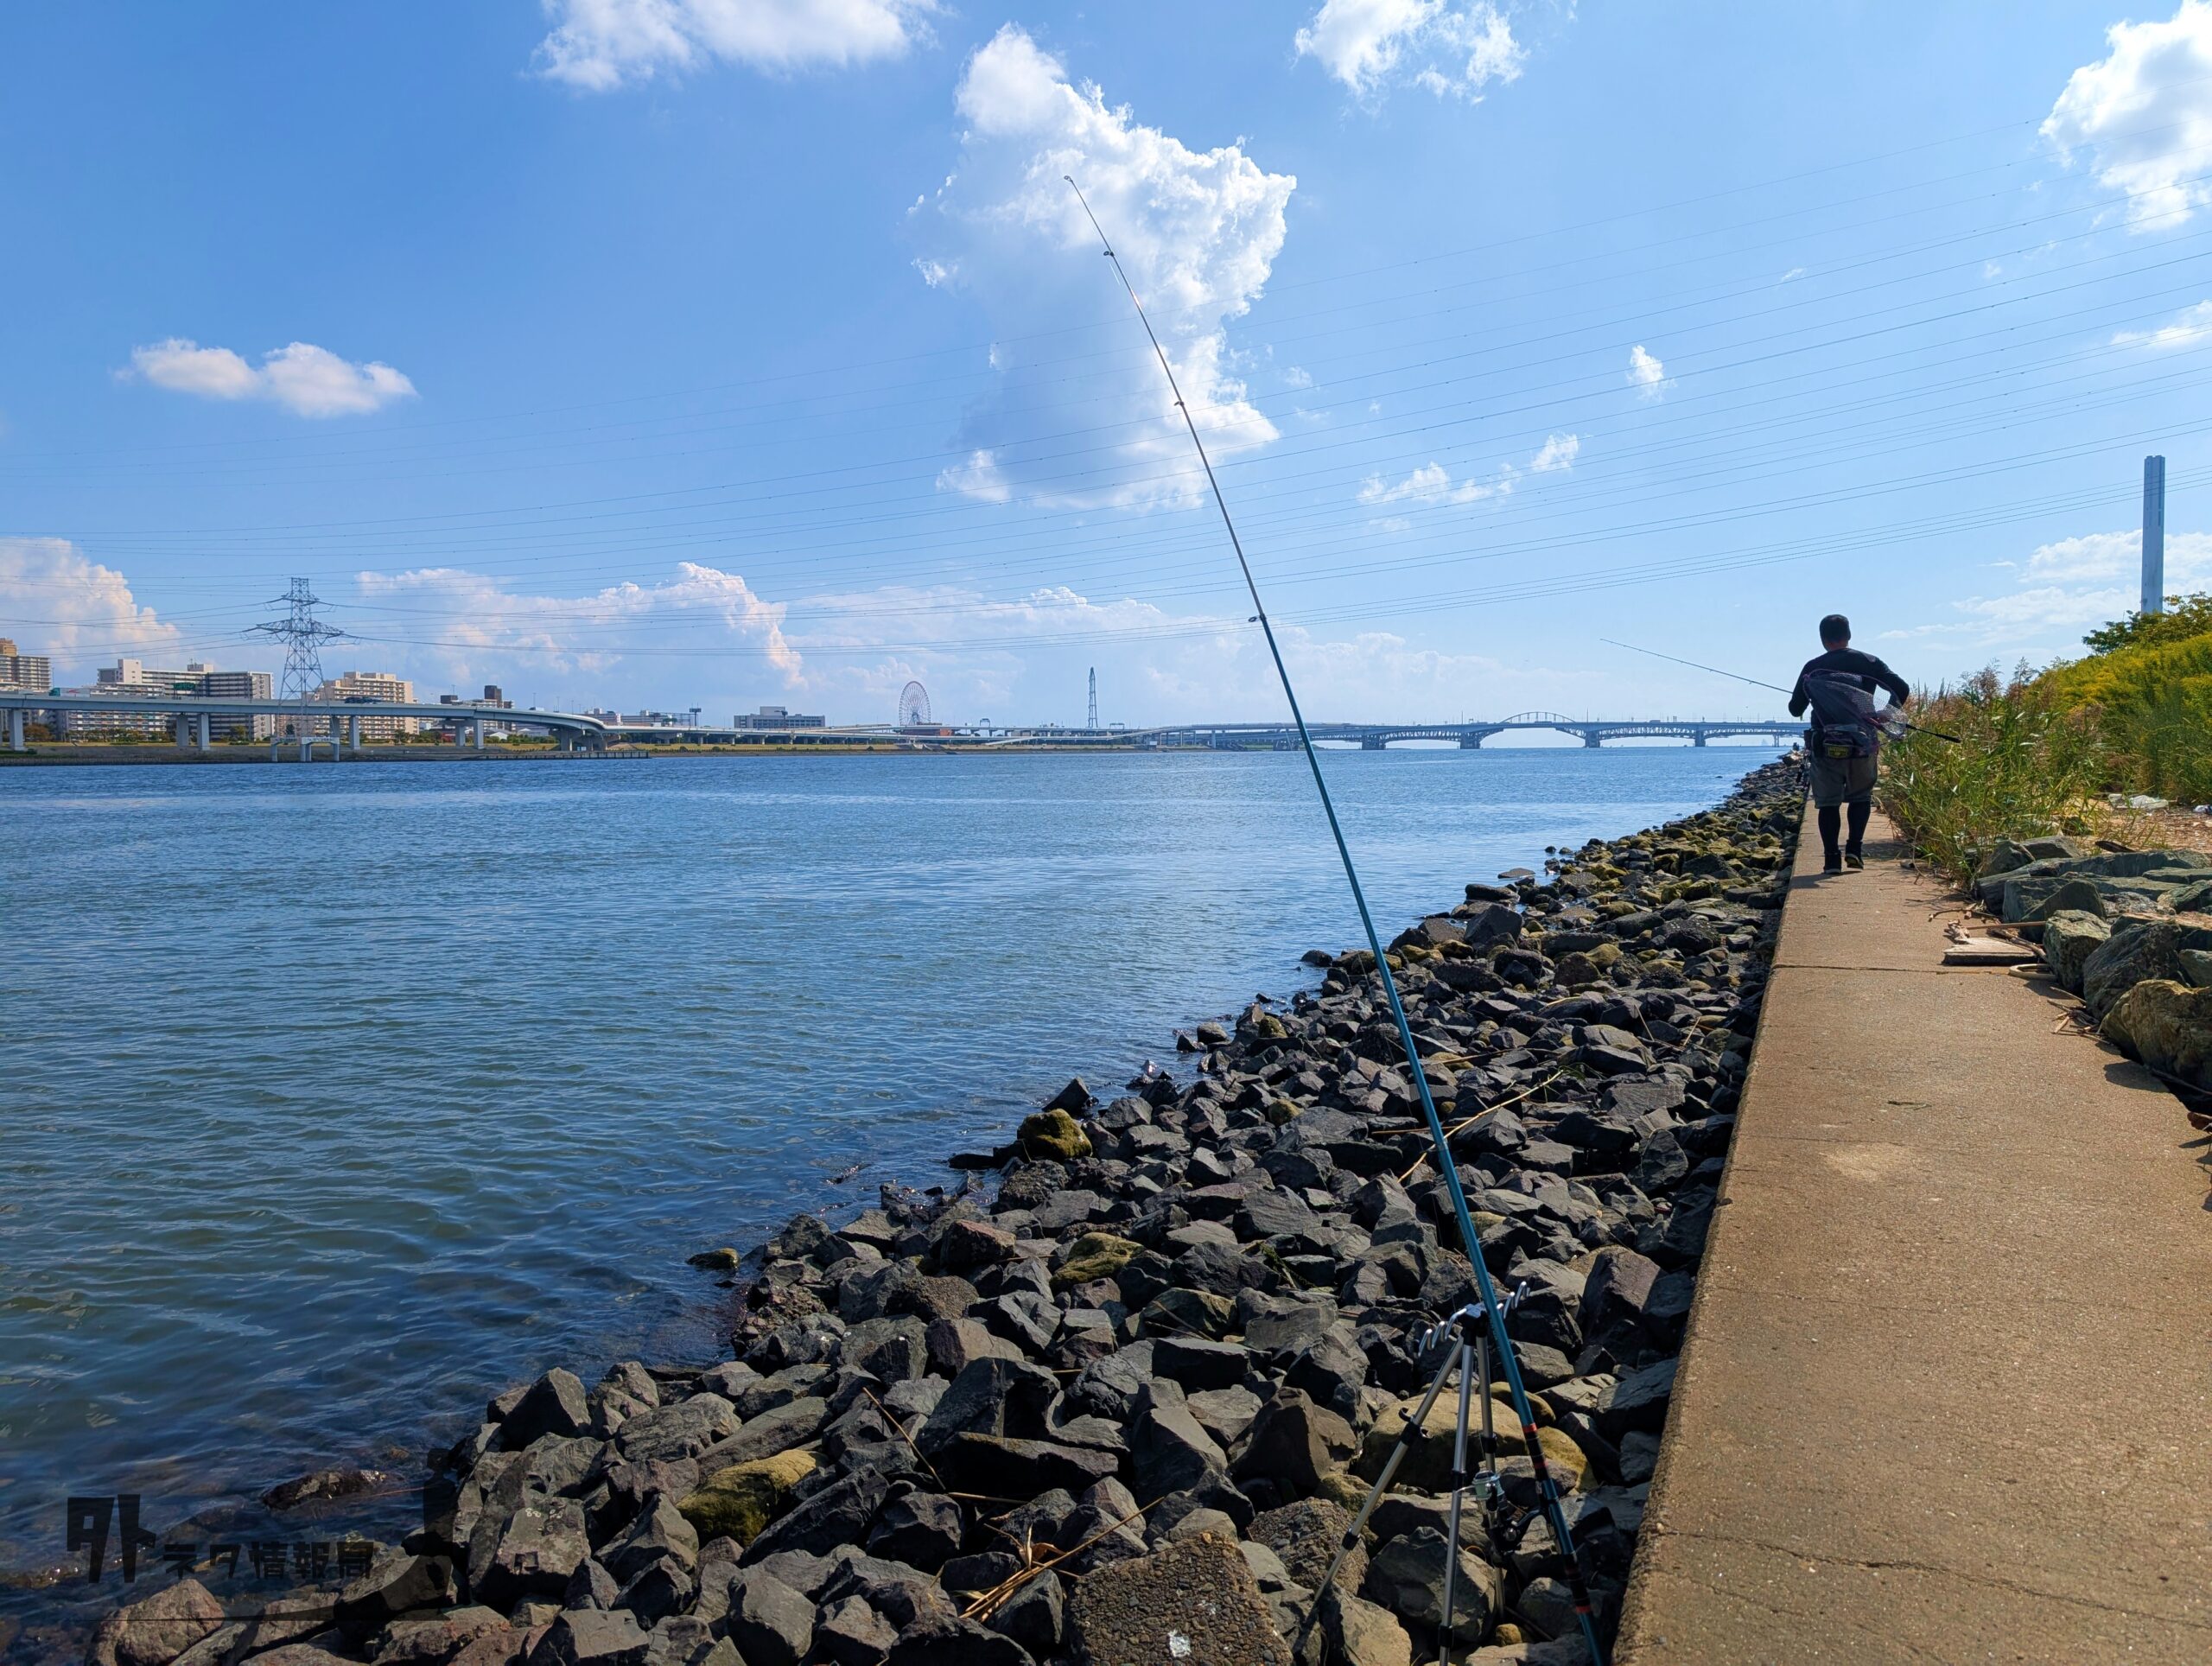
[(2130, 931), (1118, 1404)]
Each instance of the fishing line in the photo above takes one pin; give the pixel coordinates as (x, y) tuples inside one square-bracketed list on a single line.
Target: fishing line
[(1554, 1512), (1757, 684)]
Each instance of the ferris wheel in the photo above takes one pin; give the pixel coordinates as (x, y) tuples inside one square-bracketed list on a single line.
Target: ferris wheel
[(913, 707)]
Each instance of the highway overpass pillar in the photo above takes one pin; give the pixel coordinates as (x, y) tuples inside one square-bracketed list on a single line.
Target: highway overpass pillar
[(476, 734), (182, 725), (16, 731), (1697, 738), (1590, 739), (1371, 746), (202, 731), (353, 733)]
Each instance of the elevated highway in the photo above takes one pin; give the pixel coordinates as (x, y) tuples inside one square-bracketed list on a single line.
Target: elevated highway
[(191, 717)]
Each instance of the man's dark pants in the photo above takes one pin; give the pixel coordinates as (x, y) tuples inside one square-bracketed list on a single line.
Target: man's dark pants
[(1838, 783)]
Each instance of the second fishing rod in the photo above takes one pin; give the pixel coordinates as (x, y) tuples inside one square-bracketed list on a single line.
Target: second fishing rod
[(1901, 722)]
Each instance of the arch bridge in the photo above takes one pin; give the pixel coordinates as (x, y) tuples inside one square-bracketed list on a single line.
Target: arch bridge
[(1374, 737)]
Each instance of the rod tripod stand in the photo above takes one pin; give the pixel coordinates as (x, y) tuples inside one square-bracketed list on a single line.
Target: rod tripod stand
[(1466, 1340)]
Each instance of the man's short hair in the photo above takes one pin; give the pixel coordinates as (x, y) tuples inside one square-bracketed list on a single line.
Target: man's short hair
[(1835, 629)]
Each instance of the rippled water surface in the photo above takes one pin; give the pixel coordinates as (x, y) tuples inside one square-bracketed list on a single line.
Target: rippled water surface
[(332, 1097)]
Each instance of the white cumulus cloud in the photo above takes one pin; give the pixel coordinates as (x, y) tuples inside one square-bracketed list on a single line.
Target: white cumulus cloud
[(2071, 585), (600, 44), (1645, 374), (2192, 325), (1431, 483), (1559, 453), (305, 379), (477, 627), (1452, 50), (86, 612), (2144, 113), (1199, 232)]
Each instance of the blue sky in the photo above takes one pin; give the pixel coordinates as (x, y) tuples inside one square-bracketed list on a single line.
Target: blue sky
[(665, 352)]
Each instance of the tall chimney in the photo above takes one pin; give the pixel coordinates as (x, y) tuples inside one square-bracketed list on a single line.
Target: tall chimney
[(2154, 534)]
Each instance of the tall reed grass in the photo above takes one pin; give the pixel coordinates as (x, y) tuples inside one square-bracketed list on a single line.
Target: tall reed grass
[(2027, 761)]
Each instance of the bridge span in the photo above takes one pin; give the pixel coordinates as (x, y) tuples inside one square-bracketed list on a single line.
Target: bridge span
[(1374, 737), (192, 719)]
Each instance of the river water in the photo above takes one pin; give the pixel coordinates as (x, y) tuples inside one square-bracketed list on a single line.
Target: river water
[(333, 1098)]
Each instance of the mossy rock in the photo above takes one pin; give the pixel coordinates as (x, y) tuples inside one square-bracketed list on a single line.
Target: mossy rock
[(1189, 1313), (723, 1260), (1280, 1111), (742, 1500), (1578, 971), (1269, 1027), (1055, 1135), (1095, 1254), (1342, 1487), (1428, 1463)]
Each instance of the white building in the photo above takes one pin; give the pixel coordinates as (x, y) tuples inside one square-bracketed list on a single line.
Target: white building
[(356, 686), (133, 678)]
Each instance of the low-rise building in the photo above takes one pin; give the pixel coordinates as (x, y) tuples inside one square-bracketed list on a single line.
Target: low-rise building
[(130, 678), (357, 687), (777, 717)]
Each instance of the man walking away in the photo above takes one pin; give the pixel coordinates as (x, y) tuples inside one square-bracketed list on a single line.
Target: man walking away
[(1846, 733)]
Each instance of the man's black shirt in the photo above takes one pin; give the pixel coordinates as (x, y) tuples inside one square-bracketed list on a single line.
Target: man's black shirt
[(1870, 672)]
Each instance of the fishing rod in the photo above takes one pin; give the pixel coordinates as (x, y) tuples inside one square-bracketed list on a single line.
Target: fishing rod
[(1916, 728), (1547, 1487)]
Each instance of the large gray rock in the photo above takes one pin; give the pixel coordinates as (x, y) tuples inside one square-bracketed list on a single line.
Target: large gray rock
[(660, 1531), (591, 1636), (1035, 1616), (1295, 1443), (2168, 1025), (838, 1514), (1169, 1449), (155, 1632), (1407, 1577), (555, 1404), (680, 1430), (1201, 1590), (531, 1555), (1002, 1466), (1305, 1535), (2135, 951), (923, 1529), (1005, 1397), (1637, 1401), (1614, 1295), (945, 1640), (2068, 938), (1363, 1633), (771, 1623), (2077, 896), (778, 1429)]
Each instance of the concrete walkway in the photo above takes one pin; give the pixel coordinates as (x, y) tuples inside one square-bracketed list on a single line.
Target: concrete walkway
[(1948, 1390)]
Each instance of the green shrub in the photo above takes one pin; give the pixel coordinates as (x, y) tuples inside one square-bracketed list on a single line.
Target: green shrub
[(2025, 763)]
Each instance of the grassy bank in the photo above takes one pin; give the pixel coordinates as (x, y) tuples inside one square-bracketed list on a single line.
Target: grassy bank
[(2037, 752)]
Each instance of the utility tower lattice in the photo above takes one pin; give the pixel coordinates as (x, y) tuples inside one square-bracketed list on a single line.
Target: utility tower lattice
[(302, 635), (1093, 699)]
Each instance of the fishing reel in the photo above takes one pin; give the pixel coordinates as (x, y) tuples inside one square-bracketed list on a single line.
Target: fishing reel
[(1470, 1325)]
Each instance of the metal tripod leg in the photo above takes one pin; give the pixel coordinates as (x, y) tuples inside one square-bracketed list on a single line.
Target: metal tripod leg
[(1466, 1357), (1414, 1420)]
